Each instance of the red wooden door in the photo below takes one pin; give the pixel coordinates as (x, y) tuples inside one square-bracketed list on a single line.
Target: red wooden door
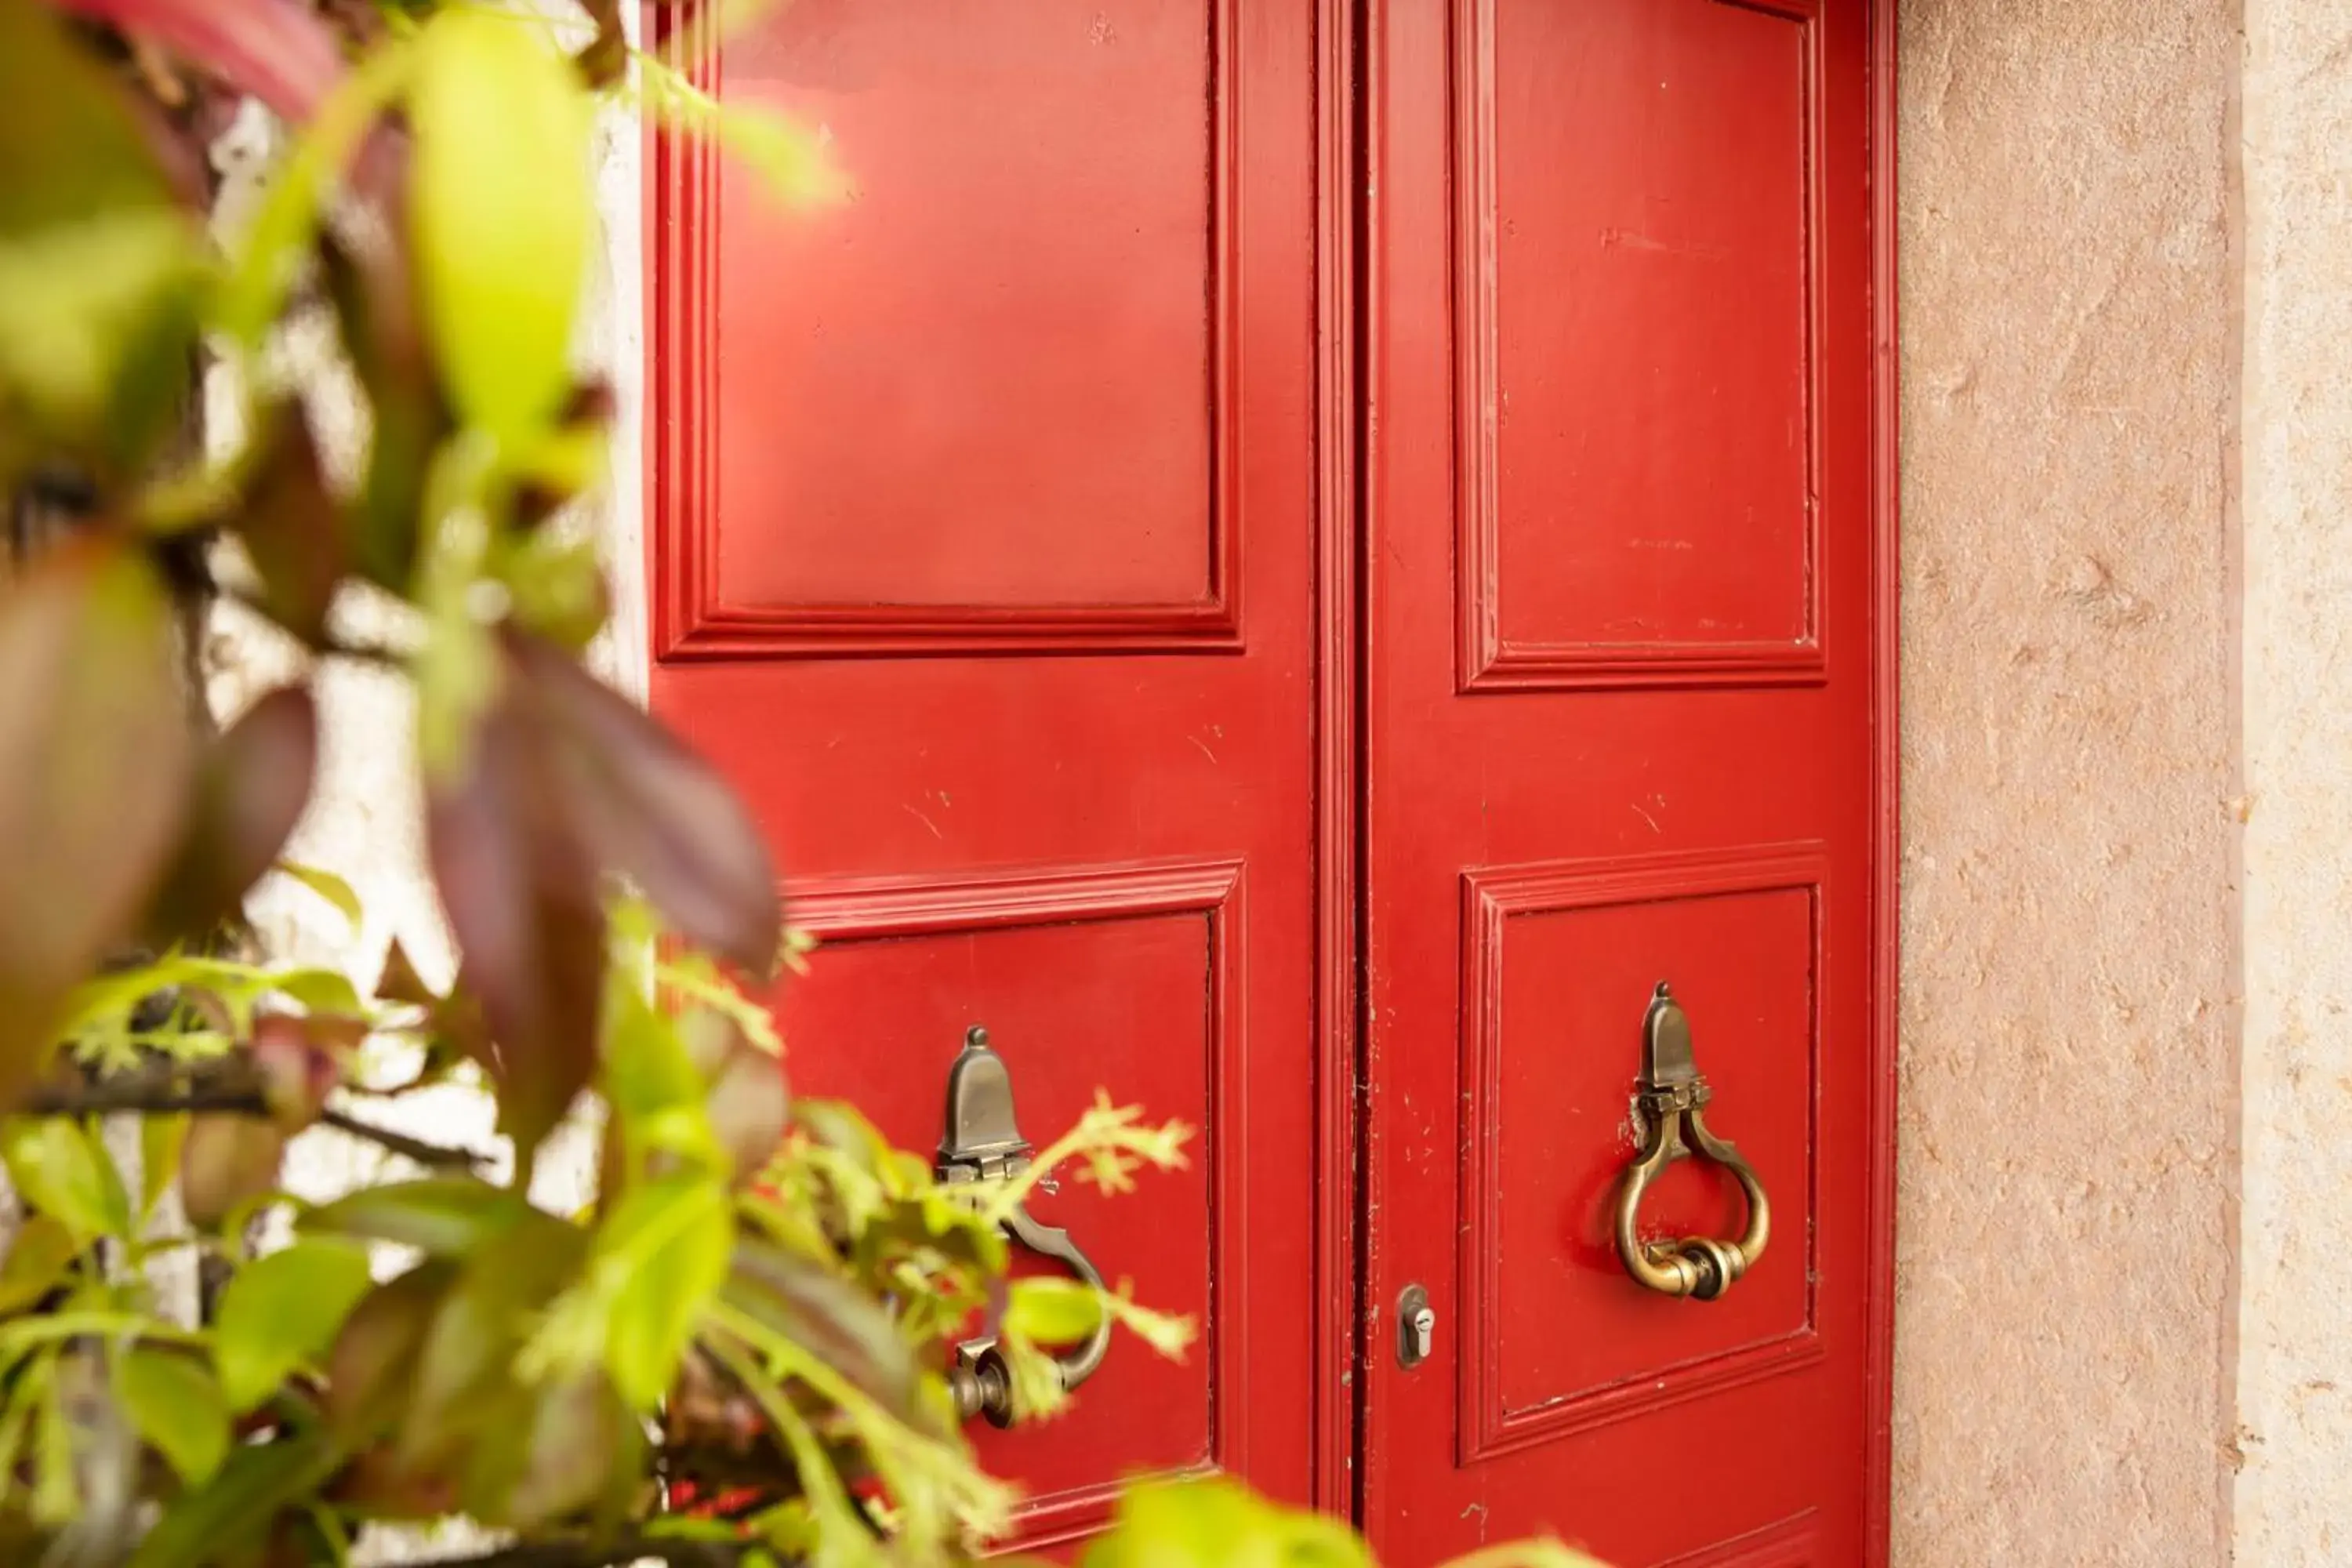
[(1619, 731), (982, 555)]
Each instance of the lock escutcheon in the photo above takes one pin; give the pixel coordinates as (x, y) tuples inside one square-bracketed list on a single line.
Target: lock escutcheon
[(1416, 1326)]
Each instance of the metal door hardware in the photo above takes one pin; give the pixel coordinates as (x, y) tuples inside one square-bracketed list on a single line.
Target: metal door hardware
[(984, 1143), (1672, 1098), (1416, 1326)]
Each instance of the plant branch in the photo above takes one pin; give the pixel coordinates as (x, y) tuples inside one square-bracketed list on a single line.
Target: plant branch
[(676, 1550), (224, 1091)]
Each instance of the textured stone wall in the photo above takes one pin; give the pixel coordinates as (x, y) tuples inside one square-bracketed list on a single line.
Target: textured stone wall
[(2070, 1038), (2294, 1369)]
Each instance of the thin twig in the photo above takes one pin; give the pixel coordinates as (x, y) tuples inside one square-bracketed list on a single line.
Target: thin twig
[(433, 1156)]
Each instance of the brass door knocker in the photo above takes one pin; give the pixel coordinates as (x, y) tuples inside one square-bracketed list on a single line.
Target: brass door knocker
[(1671, 1098), (983, 1144)]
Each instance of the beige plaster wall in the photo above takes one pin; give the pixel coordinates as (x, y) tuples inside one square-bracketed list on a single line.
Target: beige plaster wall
[(2068, 920), (2295, 1371)]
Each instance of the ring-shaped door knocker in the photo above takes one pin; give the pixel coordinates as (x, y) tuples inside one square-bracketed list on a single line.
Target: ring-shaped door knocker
[(1672, 1100), (984, 1143)]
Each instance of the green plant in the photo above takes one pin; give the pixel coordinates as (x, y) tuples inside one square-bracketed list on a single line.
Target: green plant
[(757, 1305)]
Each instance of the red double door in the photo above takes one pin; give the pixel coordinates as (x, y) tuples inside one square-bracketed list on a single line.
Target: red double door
[(1293, 560)]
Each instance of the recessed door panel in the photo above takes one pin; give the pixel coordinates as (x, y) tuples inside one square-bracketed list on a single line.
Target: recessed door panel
[(1637, 184), (1012, 326), (1563, 960), (1144, 998)]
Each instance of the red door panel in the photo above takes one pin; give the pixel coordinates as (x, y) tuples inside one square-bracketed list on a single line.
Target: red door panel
[(982, 561), (1618, 732)]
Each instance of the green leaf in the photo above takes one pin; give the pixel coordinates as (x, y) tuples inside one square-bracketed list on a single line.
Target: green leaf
[(330, 887), (282, 1310), (68, 138), (95, 756), (1053, 1311), (669, 1241), (97, 318), (793, 160), (177, 1407), (56, 1496), (1219, 1524), (43, 1250), (60, 1169), (161, 1138), (324, 992), (501, 214), (213, 1523), (443, 1216), (656, 1096)]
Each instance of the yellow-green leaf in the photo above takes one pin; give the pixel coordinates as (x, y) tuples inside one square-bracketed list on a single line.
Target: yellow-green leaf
[(161, 1138), (43, 1249), (96, 318), (502, 215), (67, 137), (284, 1309), (177, 1406), (61, 1170), (1052, 1310), (669, 1242), (328, 885)]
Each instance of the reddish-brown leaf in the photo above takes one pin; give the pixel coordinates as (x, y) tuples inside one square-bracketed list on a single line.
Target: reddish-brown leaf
[(467, 1356), (749, 1106), (373, 1366), (251, 786), (606, 57), (293, 532), (854, 1334), (299, 1061), (94, 765), (227, 1161), (579, 1434), (651, 809), (521, 895), (274, 50)]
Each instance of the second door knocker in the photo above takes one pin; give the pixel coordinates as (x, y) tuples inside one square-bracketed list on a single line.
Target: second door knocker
[(1673, 1099)]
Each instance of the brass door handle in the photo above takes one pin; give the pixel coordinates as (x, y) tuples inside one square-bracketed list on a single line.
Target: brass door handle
[(1672, 1100), (984, 1143)]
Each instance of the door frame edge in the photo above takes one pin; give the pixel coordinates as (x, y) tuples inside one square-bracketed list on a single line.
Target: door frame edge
[(1885, 828)]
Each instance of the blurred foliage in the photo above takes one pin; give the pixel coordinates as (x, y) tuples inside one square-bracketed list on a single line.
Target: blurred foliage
[(755, 1313)]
